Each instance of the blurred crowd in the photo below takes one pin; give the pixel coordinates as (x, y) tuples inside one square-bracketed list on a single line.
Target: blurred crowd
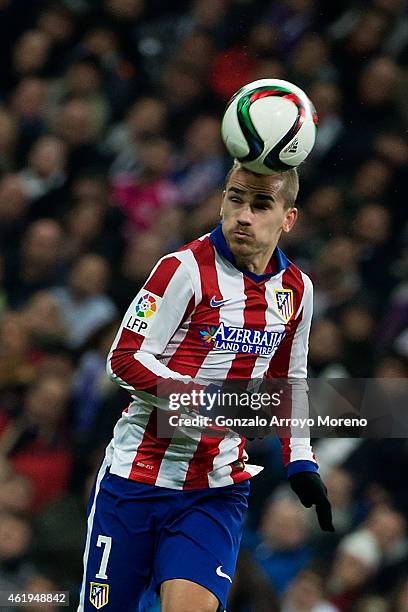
[(110, 156)]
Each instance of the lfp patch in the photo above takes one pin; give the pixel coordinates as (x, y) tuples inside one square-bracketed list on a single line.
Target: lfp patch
[(99, 594), (284, 303), (139, 318), (146, 306)]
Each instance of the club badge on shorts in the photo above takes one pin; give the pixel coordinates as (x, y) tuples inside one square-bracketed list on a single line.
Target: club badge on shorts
[(284, 303), (99, 594)]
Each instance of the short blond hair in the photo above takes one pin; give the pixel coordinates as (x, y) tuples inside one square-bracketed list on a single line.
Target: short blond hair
[(289, 189)]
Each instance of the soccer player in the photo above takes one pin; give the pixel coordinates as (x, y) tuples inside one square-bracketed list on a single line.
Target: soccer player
[(166, 513)]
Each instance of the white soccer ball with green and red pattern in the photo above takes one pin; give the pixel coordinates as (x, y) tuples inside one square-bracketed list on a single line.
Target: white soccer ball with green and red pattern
[(269, 126)]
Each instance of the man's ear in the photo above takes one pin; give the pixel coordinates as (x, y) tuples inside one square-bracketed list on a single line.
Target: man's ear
[(290, 219), (222, 202)]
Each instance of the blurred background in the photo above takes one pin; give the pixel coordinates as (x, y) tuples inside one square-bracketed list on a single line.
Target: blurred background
[(110, 156)]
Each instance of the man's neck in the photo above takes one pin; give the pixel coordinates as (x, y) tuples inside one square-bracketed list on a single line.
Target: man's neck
[(257, 264), (276, 262)]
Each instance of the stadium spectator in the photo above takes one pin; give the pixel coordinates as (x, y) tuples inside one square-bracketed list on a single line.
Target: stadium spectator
[(14, 204), (36, 265), (146, 118), (3, 301), (91, 222), (326, 350), (16, 492), (44, 177), (309, 61), (251, 588), (7, 140), (306, 594), (143, 197), (200, 167), (44, 321), (140, 254), (358, 327), (15, 540), (283, 550), (83, 303), (30, 54), (122, 80), (37, 584), (17, 361), (91, 386), (400, 597), (83, 79), (356, 563), (204, 216), (340, 486), (327, 98), (78, 126), (36, 441), (31, 112)]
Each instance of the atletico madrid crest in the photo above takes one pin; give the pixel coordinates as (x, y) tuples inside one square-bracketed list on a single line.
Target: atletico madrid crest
[(99, 594), (284, 303)]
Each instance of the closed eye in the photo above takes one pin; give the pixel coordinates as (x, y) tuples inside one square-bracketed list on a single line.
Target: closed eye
[(263, 205)]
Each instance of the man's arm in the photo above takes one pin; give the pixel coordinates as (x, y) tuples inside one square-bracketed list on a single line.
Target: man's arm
[(166, 299), (298, 457), (289, 364)]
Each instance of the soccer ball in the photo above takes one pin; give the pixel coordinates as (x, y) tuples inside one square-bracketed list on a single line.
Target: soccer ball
[(269, 126)]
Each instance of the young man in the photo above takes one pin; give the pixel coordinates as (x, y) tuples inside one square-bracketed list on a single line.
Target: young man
[(166, 514)]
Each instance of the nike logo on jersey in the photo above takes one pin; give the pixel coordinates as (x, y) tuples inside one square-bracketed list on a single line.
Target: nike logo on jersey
[(221, 574), (214, 303)]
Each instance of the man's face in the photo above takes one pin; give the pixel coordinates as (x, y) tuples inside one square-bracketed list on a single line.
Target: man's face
[(254, 215)]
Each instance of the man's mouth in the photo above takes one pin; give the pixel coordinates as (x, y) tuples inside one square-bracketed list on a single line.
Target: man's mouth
[(241, 234)]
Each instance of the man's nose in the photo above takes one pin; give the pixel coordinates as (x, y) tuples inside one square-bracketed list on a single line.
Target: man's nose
[(245, 216)]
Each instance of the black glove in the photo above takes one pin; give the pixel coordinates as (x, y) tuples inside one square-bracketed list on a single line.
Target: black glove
[(311, 490)]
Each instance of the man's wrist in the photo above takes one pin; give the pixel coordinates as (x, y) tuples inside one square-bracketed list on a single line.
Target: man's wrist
[(301, 465)]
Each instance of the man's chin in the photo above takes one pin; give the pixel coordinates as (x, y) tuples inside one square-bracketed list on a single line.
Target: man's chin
[(239, 248)]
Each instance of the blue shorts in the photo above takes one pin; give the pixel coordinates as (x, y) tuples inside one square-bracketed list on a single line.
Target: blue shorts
[(140, 535)]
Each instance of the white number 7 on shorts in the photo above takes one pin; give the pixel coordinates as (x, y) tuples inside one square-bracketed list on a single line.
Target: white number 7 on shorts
[(107, 542)]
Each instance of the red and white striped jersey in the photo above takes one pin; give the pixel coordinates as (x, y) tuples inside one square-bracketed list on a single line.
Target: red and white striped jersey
[(199, 317)]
